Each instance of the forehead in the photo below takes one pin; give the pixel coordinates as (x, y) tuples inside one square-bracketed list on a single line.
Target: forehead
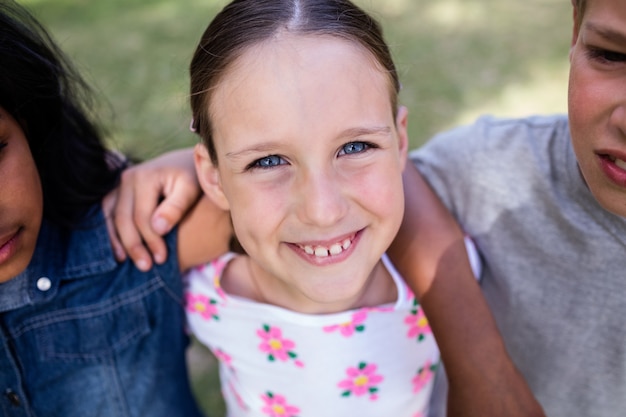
[(307, 76), (607, 17), (287, 52)]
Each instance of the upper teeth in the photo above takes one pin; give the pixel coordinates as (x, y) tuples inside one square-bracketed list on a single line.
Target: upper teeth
[(322, 251), (620, 163)]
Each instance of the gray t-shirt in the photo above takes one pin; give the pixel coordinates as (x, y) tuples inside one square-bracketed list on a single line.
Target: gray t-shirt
[(554, 271)]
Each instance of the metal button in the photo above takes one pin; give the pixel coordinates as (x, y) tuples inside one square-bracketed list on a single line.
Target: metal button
[(44, 284), (14, 399)]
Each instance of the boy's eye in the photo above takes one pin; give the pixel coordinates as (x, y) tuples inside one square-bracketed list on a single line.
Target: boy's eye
[(3, 145), (267, 162), (353, 147), (604, 55)]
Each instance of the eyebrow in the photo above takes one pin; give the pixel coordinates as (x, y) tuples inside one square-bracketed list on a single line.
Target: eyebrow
[(355, 132), (607, 33), (365, 131)]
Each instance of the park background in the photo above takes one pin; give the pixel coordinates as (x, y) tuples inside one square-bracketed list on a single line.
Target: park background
[(457, 59)]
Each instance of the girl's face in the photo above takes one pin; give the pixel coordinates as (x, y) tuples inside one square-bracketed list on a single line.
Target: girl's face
[(310, 164), (21, 200), (597, 101)]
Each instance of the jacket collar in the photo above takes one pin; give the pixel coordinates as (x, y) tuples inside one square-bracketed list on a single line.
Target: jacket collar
[(61, 255)]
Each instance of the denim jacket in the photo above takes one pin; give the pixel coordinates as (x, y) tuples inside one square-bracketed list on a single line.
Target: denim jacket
[(82, 335)]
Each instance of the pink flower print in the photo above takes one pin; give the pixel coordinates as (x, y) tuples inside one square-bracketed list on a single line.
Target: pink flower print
[(348, 328), (276, 406), (361, 380), (419, 414), (423, 376), (418, 323), (276, 347), (201, 304)]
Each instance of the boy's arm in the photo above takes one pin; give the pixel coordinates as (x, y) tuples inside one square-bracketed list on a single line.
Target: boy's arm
[(430, 253)]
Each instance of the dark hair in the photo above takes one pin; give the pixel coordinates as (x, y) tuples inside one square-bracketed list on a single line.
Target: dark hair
[(244, 23), (49, 100)]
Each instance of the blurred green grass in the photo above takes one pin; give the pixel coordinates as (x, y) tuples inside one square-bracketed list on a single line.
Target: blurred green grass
[(457, 59)]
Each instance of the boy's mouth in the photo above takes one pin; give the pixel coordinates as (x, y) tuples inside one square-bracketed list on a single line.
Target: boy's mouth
[(619, 162), (326, 251)]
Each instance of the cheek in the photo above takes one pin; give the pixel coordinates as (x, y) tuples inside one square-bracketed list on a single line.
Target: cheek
[(26, 188), (592, 94), (586, 105), (256, 210), (381, 190), (576, 95)]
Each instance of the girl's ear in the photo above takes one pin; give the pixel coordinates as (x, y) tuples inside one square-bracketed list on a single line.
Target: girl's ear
[(402, 120), (209, 177)]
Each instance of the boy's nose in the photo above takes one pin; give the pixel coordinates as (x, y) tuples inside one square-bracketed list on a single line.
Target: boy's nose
[(321, 201), (618, 119)]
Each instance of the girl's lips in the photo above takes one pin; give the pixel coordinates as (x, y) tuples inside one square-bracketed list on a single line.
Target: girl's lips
[(8, 246)]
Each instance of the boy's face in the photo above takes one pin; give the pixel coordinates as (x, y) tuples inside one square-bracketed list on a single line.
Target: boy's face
[(310, 164), (21, 201), (597, 101)]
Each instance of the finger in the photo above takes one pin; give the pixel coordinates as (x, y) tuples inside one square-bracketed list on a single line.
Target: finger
[(107, 208), (180, 196), (125, 225), (145, 204)]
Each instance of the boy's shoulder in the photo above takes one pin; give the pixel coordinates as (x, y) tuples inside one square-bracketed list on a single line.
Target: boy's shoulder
[(497, 133)]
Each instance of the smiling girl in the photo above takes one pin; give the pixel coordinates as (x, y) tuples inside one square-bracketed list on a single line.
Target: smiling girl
[(304, 143)]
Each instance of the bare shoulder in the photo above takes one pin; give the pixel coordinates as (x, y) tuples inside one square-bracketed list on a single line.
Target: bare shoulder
[(237, 281)]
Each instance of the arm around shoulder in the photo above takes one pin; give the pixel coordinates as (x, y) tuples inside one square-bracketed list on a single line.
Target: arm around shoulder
[(430, 253), (204, 234)]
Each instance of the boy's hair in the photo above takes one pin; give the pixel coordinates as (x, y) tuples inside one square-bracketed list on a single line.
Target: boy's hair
[(48, 98), (244, 23)]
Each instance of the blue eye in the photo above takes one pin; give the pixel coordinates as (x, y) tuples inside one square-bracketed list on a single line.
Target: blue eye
[(269, 161), (353, 147)]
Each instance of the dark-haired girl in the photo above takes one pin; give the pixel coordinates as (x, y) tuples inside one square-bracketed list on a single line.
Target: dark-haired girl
[(81, 334)]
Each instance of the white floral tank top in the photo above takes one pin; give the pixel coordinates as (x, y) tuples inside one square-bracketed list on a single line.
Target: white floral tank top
[(370, 362)]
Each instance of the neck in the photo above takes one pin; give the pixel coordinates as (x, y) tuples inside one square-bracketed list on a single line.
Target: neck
[(247, 279)]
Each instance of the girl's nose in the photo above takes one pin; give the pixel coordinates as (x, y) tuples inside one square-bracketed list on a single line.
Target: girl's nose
[(321, 200)]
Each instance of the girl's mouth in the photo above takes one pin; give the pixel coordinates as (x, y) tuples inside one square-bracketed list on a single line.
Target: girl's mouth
[(9, 246), (323, 251)]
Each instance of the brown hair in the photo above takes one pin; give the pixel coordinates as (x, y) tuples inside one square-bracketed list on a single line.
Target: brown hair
[(244, 23)]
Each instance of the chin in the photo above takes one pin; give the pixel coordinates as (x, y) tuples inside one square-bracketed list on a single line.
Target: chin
[(613, 202), (617, 209)]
